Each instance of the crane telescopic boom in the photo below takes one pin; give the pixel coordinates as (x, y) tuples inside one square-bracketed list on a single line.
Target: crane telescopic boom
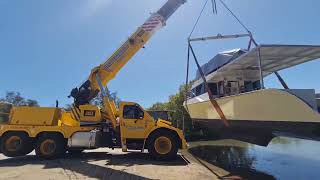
[(102, 74)]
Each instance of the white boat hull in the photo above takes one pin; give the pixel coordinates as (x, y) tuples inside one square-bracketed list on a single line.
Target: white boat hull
[(257, 116)]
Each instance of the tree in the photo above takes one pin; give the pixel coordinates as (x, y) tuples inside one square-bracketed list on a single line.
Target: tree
[(13, 99), (16, 99), (113, 96), (159, 106), (175, 103), (32, 103), (98, 101)]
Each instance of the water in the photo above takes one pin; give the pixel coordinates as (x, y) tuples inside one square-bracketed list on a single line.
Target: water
[(284, 158)]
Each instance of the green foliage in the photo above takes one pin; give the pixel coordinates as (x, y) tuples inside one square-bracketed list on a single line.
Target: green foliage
[(98, 101), (113, 96), (159, 106), (13, 98), (16, 99), (179, 113)]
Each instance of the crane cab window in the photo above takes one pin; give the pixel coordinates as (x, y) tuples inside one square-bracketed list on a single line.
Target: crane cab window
[(132, 112)]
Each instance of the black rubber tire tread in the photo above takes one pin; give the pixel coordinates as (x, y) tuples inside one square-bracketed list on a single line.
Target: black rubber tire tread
[(163, 157), (25, 148), (29, 147), (60, 143), (75, 151)]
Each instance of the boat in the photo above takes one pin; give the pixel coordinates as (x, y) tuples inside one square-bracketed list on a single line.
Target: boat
[(254, 113)]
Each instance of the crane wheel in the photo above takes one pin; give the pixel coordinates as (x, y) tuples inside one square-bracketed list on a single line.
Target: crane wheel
[(75, 151), (15, 144), (163, 145), (50, 146)]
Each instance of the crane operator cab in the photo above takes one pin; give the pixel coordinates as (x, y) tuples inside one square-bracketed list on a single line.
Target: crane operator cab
[(82, 110), (82, 94)]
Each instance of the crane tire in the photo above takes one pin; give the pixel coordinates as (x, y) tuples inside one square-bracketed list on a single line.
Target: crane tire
[(49, 146), (14, 144), (163, 145), (75, 151)]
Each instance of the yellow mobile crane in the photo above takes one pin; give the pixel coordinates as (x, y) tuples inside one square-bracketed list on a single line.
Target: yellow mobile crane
[(52, 132)]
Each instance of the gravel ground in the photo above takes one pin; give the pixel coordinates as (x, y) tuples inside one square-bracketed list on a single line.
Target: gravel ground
[(103, 164)]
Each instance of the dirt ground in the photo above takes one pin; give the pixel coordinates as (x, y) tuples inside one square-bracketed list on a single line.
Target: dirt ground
[(103, 164)]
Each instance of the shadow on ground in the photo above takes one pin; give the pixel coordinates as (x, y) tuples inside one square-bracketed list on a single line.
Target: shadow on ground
[(83, 164)]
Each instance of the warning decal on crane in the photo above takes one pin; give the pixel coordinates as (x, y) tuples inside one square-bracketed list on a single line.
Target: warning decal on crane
[(153, 23)]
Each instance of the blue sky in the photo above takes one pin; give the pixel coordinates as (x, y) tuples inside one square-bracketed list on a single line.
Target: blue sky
[(49, 47)]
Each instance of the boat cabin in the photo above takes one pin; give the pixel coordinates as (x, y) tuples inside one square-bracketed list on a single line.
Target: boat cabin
[(253, 113), (222, 83), (241, 71)]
